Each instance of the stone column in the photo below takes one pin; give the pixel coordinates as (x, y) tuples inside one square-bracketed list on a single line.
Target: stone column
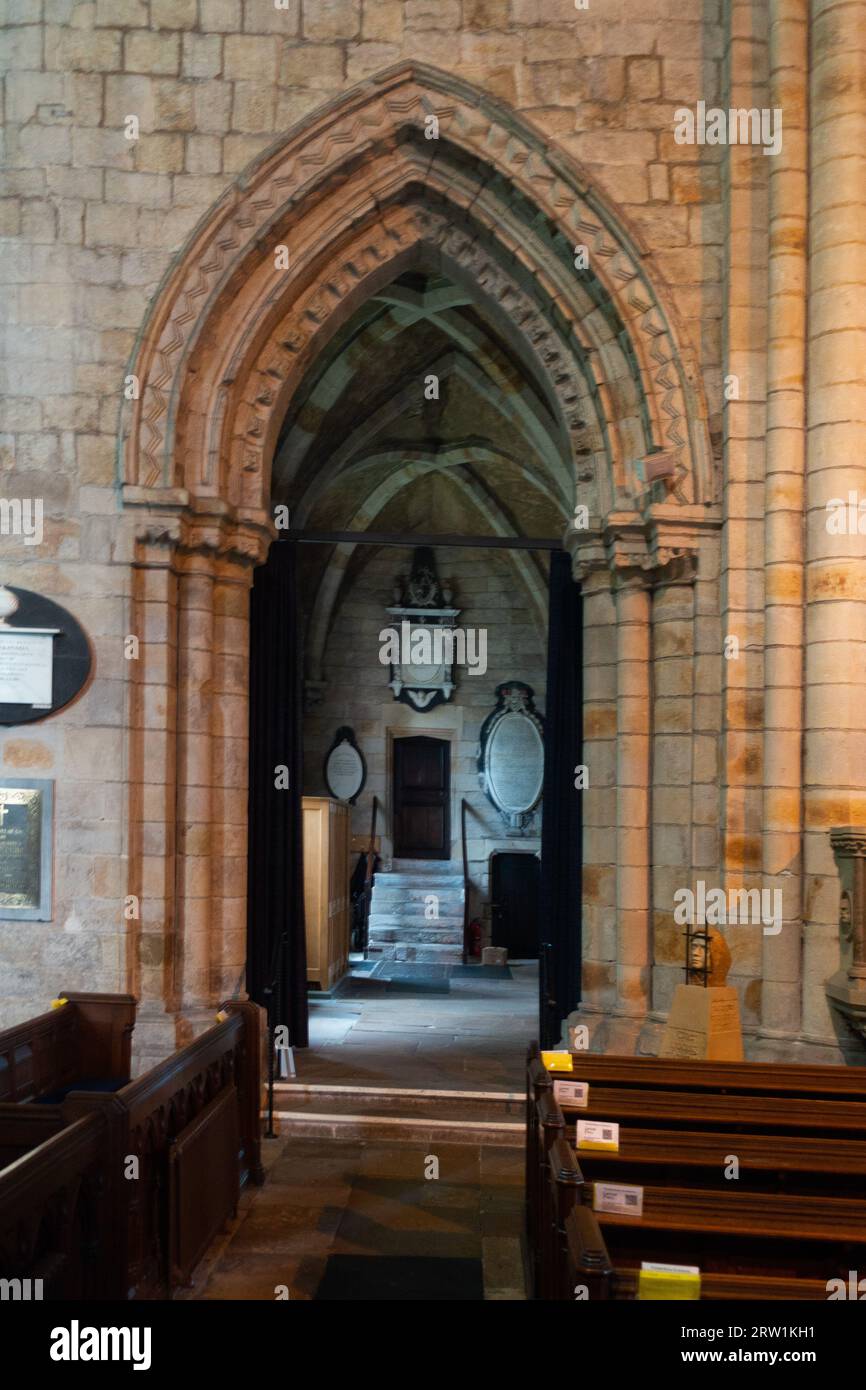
[(151, 923), (189, 773), (676, 842), (195, 777), (633, 698), (835, 741), (745, 175), (230, 777), (783, 525)]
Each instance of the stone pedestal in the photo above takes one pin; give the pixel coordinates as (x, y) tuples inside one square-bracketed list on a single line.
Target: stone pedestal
[(704, 1023)]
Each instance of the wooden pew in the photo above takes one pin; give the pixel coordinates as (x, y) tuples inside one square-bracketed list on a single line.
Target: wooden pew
[(743, 1078), (802, 1165), (56, 1215), (756, 1236), (25, 1127), (676, 1134), (85, 1042), (174, 1147), (642, 1075), (800, 1147), (588, 1266)]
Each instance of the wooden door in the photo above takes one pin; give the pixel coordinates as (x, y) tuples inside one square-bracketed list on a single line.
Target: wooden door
[(422, 777), (516, 881)]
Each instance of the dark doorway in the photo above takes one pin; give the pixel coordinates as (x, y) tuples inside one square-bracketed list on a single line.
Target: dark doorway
[(422, 778), (276, 945), (514, 890), (562, 825)]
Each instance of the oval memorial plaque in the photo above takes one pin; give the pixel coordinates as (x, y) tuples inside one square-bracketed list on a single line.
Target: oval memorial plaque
[(515, 764), (345, 769), (511, 762)]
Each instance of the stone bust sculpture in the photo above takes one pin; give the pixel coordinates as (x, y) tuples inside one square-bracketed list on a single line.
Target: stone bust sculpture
[(708, 949)]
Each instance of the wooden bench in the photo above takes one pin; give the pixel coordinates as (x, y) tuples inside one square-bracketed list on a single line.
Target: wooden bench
[(56, 1214), (758, 1236), (168, 1154), (25, 1127), (741, 1078), (678, 1132), (85, 1042), (590, 1272)]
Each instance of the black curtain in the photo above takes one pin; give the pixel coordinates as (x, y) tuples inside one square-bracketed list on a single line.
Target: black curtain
[(561, 831), (276, 945)]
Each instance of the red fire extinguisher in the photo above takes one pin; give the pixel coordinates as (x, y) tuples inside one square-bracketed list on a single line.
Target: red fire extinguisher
[(475, 938)]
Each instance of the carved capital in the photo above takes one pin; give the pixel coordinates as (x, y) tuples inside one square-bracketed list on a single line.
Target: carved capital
[(628, 556), (848, 841), (587, 552), (168, 526), (675, 564)]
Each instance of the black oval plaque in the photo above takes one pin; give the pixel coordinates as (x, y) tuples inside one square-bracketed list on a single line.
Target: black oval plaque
[(71, 660)]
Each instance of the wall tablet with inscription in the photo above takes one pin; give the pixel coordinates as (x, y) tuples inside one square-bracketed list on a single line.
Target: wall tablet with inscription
[(26, 818), (511, 759), (45, 657), (345, 768)]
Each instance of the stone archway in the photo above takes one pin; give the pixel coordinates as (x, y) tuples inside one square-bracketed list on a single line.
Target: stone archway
[(355, 195)]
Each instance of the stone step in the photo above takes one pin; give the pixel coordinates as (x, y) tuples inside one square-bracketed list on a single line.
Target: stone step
[(436, 881), (429, 954), (426, 866), (415, 895), (415, 920), (439, 936), (400, 1115)]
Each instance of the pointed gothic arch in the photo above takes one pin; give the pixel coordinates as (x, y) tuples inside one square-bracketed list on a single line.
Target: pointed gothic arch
[(230, 330), (357, 194)]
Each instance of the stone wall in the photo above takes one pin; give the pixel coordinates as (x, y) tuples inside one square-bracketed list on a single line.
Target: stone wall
[(94, 220), (490, 596), (697, 764)]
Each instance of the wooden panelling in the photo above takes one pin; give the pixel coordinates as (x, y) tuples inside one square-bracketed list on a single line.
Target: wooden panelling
[(326, 889)]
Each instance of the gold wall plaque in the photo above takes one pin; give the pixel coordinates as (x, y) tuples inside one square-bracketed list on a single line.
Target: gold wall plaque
[(26, 813)]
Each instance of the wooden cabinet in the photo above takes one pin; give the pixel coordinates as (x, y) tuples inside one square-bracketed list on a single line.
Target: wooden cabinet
[(326, 889)]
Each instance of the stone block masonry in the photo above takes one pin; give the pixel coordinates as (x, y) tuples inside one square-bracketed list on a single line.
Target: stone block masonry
[(131, 128)]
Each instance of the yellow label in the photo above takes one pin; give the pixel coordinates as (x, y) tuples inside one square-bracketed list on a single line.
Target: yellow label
[(655, 1284), (58, 1003), (558, 1061)]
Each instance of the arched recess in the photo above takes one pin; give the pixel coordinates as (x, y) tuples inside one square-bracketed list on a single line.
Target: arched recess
[(356, 194)]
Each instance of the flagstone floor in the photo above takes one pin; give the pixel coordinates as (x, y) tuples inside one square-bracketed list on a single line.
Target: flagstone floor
[(338, 1196), (472, 1038)]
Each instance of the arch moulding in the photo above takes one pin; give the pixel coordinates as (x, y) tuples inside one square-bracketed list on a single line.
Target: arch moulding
[(356, 194)]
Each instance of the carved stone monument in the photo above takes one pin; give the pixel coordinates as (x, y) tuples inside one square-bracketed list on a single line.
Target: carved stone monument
[(422, 677), (511, 755), (704, 1021), (846, 990)]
